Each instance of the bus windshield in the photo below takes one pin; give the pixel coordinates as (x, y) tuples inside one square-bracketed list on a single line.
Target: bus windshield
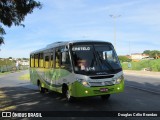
[(94, 59)]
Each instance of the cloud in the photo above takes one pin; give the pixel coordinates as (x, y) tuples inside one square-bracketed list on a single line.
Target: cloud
[(61, 20)]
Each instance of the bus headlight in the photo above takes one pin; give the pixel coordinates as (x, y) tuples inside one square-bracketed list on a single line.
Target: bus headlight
[(118, 81), (83, 82)]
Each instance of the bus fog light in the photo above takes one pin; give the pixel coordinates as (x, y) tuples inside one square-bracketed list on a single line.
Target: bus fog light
[(118, 88), (86, 91)]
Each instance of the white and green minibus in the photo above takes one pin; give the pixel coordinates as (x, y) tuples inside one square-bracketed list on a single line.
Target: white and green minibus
[(77, 69)]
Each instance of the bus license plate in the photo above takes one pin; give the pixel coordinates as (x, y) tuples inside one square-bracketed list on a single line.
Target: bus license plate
[(103, 89)]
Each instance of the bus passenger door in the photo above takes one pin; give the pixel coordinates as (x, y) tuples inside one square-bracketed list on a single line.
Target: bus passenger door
[(46, 68), (52, 69), (64, 69), (57, 68)]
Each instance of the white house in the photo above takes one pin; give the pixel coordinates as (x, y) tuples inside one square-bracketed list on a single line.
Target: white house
[(25, 63), (138, 56)]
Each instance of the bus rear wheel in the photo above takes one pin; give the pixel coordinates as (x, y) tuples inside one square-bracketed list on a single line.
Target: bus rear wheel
[(41, 89), (105, 97)]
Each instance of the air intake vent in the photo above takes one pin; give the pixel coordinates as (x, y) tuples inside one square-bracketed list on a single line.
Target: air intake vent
[(101, 77), (98, 84)]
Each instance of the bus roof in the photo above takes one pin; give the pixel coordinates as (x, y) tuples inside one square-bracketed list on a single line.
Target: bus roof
[(61, 43)]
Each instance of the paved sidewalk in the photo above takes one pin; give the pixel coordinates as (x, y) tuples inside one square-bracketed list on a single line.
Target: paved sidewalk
[(142, 73)]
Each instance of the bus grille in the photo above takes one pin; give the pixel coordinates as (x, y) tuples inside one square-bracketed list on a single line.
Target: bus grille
[(109, 83), (106, 83), (95, 84), (101, 77)]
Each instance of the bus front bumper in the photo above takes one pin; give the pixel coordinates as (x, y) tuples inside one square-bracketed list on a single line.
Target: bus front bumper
[(79, 90)]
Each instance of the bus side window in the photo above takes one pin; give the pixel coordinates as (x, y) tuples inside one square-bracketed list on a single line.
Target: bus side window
[(57, 58), (32, 61), (51, 61), (65, 61), (36, 60), (46, 62), (40, 59)]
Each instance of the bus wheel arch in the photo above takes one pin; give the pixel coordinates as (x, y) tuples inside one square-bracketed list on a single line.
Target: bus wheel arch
[(41, 89), (38, 82), (66, 92), (64, 89)]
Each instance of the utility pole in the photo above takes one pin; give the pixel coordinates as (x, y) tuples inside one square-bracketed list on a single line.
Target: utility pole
[(129, 47), (115, 17)]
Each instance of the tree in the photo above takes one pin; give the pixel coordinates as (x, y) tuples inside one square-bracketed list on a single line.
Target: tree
[(146, 52), (152, 53), (13, 12), (25, 59), (124, 59)]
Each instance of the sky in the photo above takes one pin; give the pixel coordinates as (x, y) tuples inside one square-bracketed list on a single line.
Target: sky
[(137, 27)]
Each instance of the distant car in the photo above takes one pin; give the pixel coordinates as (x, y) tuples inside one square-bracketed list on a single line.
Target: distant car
[(147, 58), (147, 69)]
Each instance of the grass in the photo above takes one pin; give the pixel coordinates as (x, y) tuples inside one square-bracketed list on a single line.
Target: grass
[(153, 64), (4, 73), (25, 77)]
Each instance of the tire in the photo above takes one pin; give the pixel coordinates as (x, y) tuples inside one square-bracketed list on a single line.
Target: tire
[(105, 97), (41, 89), (66, 93)]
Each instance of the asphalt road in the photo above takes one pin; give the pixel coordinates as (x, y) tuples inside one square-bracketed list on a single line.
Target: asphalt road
[(26, 97), (146, 83)]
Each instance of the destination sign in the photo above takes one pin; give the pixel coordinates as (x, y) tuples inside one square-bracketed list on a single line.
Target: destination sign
[(81, 48)]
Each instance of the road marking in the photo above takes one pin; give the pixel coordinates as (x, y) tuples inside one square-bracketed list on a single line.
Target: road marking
[(143, 89)]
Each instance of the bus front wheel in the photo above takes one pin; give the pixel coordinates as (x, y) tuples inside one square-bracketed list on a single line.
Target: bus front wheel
[(66, 93)]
